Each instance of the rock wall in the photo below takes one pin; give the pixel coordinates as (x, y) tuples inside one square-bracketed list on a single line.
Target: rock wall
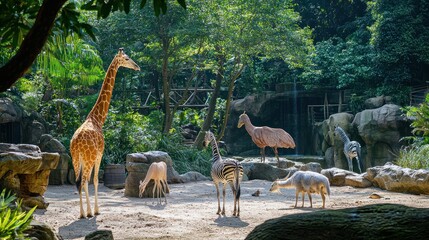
[(378, 131)]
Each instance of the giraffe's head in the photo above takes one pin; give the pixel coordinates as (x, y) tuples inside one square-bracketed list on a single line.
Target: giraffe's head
[(125, 61)]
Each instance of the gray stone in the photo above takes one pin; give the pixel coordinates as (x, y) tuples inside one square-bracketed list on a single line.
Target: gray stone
[(100, 235), (394, 178), (381, 129), (337, 176), (9, 111), (263, 171), (41, 231), (50, 144), (193, 177)]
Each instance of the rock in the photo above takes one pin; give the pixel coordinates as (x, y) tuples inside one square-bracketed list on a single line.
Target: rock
[(337, 176), (100, 235), (35, 129), (137, 158), (311, 166), (358, 181), (25, 170), (193, 177), (9, 111), (378, 221), (263, 171), (377, 102), (50, 144), (381, 129), (41, 231), (394, 178)]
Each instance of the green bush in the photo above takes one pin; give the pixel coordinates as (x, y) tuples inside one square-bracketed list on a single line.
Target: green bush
[(13, 221), (414, 157), (186, 158)]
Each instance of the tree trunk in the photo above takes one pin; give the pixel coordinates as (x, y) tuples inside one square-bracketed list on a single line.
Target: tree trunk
[(33, 43), (212, 104), (378, 221), (168, 119), (228, 101)]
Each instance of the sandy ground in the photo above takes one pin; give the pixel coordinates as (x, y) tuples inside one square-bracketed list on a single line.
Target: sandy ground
[(191, 210)]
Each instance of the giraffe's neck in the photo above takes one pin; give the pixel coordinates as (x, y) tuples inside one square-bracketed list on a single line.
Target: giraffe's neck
[(101, 107), (215, 149)]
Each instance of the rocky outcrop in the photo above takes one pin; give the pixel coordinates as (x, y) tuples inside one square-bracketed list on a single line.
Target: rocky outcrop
[(100, 234), (341, 177), (381, 129), (394, 178), (379, 221), (58, 175), (377, 130), (25, 170)]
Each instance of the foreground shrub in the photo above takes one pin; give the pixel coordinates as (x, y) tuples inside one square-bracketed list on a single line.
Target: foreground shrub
[(13, 221)]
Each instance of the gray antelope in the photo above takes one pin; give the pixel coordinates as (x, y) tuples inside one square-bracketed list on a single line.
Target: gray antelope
[(225, 171), (304, 182), (351, 149)]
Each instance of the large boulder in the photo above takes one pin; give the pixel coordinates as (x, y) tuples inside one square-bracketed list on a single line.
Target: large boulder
[(381, 129), (25, 170), (49, 144), (378, 221), (341, 177), (394, 178), (9, 111), (344, 121)]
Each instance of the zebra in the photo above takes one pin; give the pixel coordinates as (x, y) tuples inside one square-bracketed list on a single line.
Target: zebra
[(351, 149), (224, 171)]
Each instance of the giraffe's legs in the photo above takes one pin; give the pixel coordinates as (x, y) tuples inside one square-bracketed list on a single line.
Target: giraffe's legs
[(88, 205), (97, 167), (82, 213)]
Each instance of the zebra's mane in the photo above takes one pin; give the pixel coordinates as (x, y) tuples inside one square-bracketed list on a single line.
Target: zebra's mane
[(342, 134)]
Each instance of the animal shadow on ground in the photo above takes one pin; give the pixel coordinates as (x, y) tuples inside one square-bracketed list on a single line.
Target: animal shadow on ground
[(234, 222), (69, 231)]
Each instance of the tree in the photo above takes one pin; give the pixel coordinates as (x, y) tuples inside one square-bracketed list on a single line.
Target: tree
[(241, 30), (45, 17), (400, 34)]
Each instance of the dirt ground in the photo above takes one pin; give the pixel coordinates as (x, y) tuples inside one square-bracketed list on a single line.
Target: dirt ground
[(191, 210)]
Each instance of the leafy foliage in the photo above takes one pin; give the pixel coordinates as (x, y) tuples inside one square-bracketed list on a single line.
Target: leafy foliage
[(13, 221)]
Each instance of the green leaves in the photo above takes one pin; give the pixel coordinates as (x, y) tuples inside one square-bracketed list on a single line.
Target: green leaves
[(13, 221)]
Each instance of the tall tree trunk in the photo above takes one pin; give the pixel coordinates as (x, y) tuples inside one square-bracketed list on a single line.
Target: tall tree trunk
[(212, 104), (168, 119), (32, 44), (228, 101)]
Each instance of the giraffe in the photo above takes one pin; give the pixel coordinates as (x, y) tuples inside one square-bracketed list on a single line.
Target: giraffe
[(87, 143)]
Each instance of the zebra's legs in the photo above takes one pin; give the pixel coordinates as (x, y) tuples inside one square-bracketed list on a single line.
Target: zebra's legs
[(218, 199), (349, 161), (358, 162), (223, 193)]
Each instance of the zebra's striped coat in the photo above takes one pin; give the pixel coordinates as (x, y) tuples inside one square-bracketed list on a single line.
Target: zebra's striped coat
[(352, 149), (225, 171)]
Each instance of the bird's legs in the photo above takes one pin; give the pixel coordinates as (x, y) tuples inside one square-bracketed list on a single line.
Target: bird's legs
[(262, 154), (277, 156)]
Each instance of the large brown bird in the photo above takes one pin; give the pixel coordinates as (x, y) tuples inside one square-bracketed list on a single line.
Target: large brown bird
[(265, 136)]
